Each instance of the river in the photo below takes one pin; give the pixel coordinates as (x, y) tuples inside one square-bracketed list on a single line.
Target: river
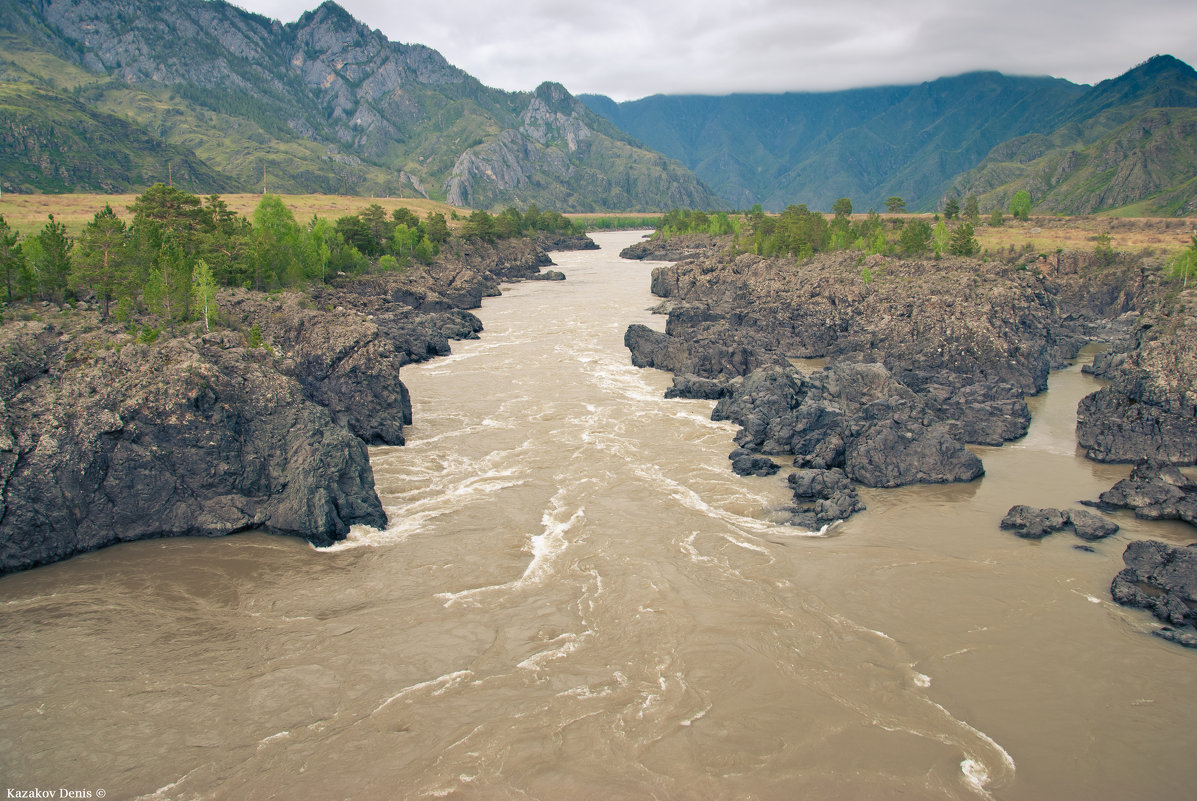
[(577, 599)]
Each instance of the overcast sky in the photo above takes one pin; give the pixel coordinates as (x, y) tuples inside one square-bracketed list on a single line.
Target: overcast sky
[(628, 49)]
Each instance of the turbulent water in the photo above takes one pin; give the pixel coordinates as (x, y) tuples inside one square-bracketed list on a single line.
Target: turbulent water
[(577, 599)]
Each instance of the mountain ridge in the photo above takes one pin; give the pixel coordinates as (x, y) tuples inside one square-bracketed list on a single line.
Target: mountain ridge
[(327, 104), (920, 142)]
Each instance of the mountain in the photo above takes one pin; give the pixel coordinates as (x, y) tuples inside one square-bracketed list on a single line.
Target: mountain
[(323, 104), (1129, 142), (983, 133)]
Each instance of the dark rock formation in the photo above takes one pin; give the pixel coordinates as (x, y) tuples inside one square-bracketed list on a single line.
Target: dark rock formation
[(691, 386), (1032, 523), (191, 437), (559, 241), (1089, 526), (104, 439), (1149, 411), (746, 463), (548, 275), (844, 417), (703, 356), (822, 497), (1155, 490), (674, 248), (1163, 579)]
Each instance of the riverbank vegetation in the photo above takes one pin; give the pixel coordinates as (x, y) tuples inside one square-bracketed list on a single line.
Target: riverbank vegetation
[(160, 263), (798, 231)]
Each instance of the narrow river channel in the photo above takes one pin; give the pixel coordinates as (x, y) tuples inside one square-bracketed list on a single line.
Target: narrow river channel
[(577, 599)]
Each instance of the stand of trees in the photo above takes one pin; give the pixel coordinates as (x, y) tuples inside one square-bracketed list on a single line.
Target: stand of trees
[(179, 248)]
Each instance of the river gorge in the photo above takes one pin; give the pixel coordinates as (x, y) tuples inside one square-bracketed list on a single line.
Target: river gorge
[(577, 598)]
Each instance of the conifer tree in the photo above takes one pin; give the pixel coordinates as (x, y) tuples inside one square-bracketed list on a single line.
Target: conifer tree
[(101, 261)]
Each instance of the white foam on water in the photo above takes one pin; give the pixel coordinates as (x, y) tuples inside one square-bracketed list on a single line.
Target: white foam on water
[(570, 642), (438, 686), (545, 548), (975, 774), (702, 713)]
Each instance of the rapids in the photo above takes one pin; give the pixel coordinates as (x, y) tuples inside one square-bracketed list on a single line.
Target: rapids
[(577, 599)]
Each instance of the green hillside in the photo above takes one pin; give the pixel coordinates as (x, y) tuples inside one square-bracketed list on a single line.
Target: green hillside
[(1130, 143), (1074, 148), (324, 104)]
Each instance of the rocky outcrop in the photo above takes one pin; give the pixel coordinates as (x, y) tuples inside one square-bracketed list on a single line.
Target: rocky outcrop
[(1163, 579), (105, 439), (707, 355), (195, 436), (1149, 410), (1032, 523), (673, 248), (855, 417), (1155, 490), (822, 497)]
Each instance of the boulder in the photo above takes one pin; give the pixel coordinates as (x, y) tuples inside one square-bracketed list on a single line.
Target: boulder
[(1031, 523), (746, 463), (1163, 579), (822, 497)]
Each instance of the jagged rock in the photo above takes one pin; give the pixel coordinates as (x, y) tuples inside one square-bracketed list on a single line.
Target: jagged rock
[(1162, 578), (706, 357), (201, 435), (893, 443), (1155, 490), (1031, 523), (842, 417), (548, 275), (1149, 410), (674, 248), (822, 497)]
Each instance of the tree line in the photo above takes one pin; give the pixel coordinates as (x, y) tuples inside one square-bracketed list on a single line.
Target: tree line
[(179, 248)]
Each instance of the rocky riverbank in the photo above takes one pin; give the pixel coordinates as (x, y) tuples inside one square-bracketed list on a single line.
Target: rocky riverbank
[(106, 438), (924, 356)]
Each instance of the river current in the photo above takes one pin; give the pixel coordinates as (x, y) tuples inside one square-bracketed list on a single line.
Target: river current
[(577, 599)]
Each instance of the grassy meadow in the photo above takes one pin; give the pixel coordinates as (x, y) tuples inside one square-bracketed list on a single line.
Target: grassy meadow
[(28, 213)]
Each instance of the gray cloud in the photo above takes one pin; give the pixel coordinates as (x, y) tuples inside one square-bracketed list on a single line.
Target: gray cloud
[(632, 48)]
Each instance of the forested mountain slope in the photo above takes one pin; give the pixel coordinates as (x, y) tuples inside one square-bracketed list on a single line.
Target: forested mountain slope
[(325, 104), (980, 133)]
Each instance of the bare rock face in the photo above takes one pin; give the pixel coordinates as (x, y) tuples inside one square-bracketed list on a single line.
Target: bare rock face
[(190, 437), (1149, 411), (1032, 523), (104, 439)]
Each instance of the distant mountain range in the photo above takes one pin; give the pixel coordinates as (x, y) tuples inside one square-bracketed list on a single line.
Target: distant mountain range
[(107, 95), (1127, 142), (113, 95)]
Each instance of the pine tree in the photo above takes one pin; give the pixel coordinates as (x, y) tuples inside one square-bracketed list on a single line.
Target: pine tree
[(101, 261), (12, 260), (53, 263)]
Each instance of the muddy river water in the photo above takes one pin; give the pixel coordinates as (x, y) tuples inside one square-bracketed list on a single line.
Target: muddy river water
[(577, 599)]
